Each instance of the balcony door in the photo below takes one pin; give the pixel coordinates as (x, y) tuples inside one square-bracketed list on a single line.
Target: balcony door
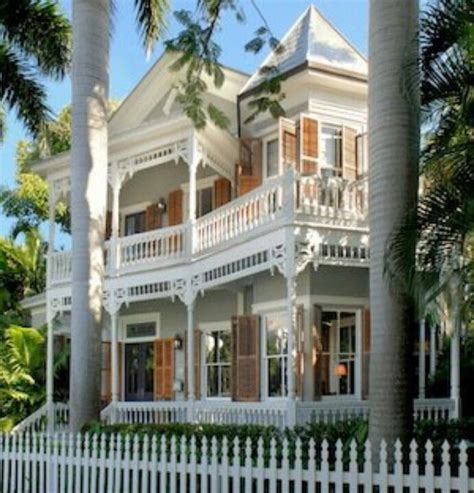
[(139, 371)]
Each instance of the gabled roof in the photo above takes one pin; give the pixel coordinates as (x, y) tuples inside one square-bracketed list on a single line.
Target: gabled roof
[(314, 41)]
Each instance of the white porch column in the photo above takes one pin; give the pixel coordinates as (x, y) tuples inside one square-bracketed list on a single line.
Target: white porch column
[(421, 358), (194, 158), (433, 349), (358, 355), (116, 184), (456, 370), (49, 369), (51, 234), (190, 359), (114, 357)]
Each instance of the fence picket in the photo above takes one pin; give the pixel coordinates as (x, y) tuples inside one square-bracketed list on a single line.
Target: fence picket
[(236, 466), (383, 468), (204, 465), (163, 465), (154, 464), (324, 466), (414, 468), (398, 467), (353, 467), (285, 468), (118, 465), (445, 469), (172, 464), (183, 464), (260, 467), (146, 464)]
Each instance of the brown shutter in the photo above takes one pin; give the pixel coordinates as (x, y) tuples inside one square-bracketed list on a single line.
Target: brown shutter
[(153, 217), (106, 377), (288, 144), (246, 184), (309, 144), (108, 225), (248, 171), (257, 161), (245, 358), (106, 373), (299, 360), (318, 364), (365, 353), (349, 164), (164, 368), (221, 192), (175, 207)]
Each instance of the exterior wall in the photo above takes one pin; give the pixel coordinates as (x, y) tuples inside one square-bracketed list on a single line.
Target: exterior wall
[(342, 282)]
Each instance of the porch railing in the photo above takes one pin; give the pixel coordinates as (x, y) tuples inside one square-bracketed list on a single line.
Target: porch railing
[(38, 421), (146, 412), (332, 200), (158, 245)]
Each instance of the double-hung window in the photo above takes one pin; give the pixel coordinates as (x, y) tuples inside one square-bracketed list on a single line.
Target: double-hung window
[(338, 338), (331, 151), (204, 201), (276, 352), (135, 223), (217, 348)]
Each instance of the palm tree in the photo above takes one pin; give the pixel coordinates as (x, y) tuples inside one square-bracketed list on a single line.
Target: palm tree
[(393, 158), (90, 84), (34, 41)]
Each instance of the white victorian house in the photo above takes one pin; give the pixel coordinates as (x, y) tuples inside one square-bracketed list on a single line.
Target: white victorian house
[(237, 282)]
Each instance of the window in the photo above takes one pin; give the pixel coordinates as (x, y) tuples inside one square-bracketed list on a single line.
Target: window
[(272, 165), (276, 350), (217, 349), (338, 340), (331, 151), (204, 201), (139, 330), (135, 223)]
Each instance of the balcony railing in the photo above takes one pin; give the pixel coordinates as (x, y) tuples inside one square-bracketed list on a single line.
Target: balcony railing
[(326, 201)]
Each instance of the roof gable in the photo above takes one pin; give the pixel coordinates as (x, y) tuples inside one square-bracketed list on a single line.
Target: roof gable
[(313, 39)]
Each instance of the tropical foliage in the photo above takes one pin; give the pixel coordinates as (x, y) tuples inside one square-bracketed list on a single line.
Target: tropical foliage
[(443, 224), (34, 42)]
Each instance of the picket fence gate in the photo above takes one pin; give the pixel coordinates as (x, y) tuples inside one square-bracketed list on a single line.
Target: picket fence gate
[(114, 463)]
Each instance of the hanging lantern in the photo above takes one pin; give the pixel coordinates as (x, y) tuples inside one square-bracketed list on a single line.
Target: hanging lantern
[(341, 370)]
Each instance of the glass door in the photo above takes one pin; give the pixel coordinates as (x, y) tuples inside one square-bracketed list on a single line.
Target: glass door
[(139, 371)]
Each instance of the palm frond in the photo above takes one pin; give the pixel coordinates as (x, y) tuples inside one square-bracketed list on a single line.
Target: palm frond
[(151, 20), (20, 90), (40, 31)]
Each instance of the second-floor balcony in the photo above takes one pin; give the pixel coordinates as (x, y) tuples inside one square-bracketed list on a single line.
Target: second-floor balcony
[(288, 199)]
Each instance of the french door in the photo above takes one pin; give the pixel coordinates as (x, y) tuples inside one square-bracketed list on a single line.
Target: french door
[(139, 371)]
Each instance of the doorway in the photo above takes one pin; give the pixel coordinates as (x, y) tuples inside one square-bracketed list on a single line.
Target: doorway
[(139, 371)]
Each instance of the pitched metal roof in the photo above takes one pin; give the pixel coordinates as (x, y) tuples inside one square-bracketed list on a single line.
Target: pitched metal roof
[(313, 39)]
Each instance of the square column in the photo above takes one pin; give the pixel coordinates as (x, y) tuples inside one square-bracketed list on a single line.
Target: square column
[(194, 158), (421, 359)]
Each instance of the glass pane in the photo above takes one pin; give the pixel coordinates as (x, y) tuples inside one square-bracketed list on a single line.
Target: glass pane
[(145, 329), (149, 368), (331, 149), (206, 201), (225, 380), (329, 325), (224, 347), (135, 223), (276, 334), (212, 381), (211, 347), (272, 157), (347, 333), (275, 377)]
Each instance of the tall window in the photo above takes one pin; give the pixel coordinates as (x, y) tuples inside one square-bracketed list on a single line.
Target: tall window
[(276, 351), (338, 340), (135, 223), (272, 157), (218, 359), (331, 151), (204, 198)]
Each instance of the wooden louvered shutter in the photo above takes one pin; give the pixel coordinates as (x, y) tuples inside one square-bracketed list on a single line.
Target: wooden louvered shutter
[(299, 360), (153, 217), (309, 137), (288, 144), (349, 162), (365, 352), (164, 369), (108, 225), (245, 358), (197, 365), (106, 372), (248, 171), (317, 353), (221, 191), (256, 148), (175, 207)]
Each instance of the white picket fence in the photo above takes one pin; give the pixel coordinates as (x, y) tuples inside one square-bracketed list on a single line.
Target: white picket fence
[(114, 463)]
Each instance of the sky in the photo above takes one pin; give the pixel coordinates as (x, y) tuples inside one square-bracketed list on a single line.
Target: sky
[(128, 61)]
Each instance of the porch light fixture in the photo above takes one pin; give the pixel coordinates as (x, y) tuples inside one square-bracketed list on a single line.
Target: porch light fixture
[(162, 205), (341, 370), (178, 342)]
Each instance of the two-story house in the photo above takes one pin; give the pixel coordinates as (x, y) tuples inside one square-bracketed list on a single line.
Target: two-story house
[(237, 261)]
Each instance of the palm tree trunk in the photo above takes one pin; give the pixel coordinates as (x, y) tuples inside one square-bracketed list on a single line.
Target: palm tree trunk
[(393, 169), (88, 202)]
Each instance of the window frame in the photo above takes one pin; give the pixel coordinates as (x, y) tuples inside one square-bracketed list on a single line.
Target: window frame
[(126, 320), (201, 184), (322, 163), (128, 211), (206, 328)]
